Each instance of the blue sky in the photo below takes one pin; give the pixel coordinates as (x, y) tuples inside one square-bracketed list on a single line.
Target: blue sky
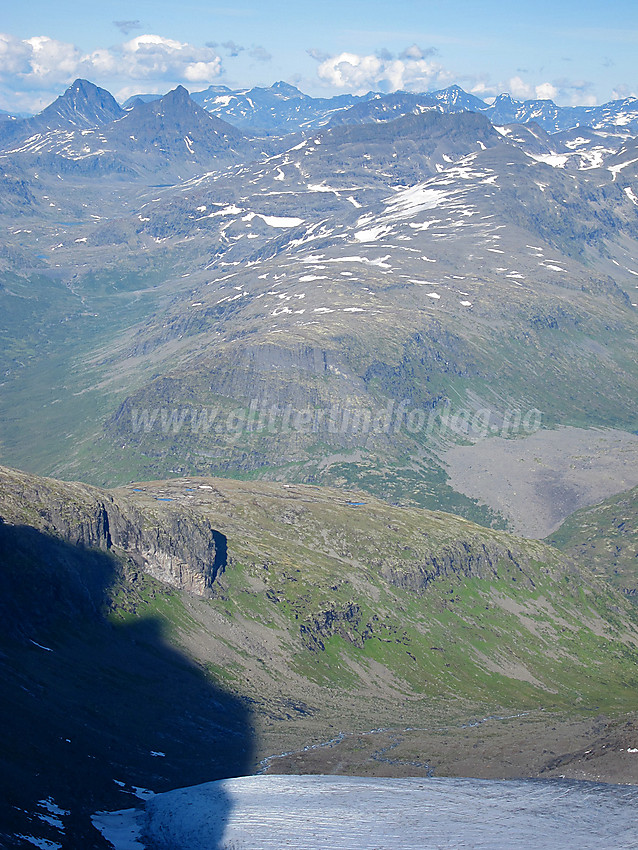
[(574, 52)]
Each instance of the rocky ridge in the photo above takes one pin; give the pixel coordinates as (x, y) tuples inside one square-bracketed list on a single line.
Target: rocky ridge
[(176, 547)]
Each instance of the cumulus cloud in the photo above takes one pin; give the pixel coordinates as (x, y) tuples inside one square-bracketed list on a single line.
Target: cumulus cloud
[(381, 71), (622, 91), (521, 90), (153, 56), (480, 88), (546, 91), (41, 63), (37, 59), (415, 69), (563, 91)]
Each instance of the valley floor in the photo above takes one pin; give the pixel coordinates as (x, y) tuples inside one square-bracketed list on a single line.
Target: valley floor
[(528, 745), (539, 481)]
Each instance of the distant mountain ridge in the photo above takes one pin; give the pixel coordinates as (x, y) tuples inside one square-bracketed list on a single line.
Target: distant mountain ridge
[(276, 109), (615, 115), (165, 133), (284, 108), (82, 106)]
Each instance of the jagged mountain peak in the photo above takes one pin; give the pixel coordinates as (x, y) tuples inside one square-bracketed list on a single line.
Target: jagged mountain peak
[(82, 105), (177, 95), (82, 85), (287, 89), (504, 97), (174, 129), (176, 105), (458, 99)]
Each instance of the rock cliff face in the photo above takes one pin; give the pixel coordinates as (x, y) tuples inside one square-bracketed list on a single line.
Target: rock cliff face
[(178, 548), (465, 559)]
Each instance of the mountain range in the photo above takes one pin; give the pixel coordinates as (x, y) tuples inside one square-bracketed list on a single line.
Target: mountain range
[(348, 346), (282, 108), (430, 260)]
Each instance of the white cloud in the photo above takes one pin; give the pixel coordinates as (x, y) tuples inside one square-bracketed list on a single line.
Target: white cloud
[(546, 91), (358, 73), (519, 89), (414, 69), (41, 64), (622, 91), (201, 72), (479, 89), (39, 59), (152, 56), (525, 91)]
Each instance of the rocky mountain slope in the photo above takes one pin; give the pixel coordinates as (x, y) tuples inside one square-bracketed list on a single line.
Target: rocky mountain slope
[(176, 546), (171, 135), (604, 537), (82, 106), (339, 308), (332, 618)]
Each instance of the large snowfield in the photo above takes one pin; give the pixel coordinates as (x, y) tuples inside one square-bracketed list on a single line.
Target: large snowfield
[(338, 812)]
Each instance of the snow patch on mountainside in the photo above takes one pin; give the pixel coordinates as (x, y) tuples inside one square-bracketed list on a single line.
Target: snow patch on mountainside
[(312, 812)]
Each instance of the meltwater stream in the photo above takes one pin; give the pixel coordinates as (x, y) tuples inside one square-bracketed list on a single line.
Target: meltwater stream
[(354, 813)]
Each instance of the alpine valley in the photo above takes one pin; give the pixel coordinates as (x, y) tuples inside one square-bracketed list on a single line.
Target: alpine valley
[(374, 362)]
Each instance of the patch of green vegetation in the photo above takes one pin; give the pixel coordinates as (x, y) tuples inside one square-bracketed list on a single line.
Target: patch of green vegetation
[(605, 538), (528, 630), (408, 482)]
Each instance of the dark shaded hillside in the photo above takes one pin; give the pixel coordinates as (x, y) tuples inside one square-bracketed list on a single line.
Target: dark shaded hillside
[(92, 692), (333, 614)]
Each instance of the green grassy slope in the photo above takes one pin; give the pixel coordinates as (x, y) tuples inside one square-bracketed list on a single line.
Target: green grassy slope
[(605, 539), (334, 613), (346, 595)]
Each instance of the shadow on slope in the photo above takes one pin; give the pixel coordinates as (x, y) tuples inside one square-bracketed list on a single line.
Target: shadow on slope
[(92, 707)]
